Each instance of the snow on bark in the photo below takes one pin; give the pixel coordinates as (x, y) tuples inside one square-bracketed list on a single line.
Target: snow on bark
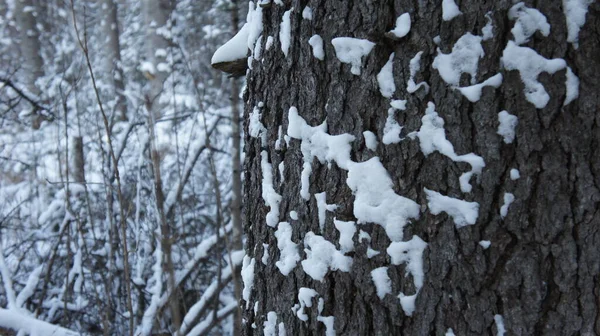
[(530, 65), (352, 50), (463, 213), (528, 21)]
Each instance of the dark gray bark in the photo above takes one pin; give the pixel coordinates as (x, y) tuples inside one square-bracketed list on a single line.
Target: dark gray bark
[(541, 272)]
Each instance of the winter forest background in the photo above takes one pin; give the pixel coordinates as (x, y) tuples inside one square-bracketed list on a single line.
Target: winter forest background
[(116, 166)]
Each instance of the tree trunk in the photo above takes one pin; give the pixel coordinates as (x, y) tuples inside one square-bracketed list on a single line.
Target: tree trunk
[(112, 56), (540, 274), (30, 44), (236, 178), (156, 16)]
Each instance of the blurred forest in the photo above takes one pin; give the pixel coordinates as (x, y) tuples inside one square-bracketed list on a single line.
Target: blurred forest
[(119, 168)]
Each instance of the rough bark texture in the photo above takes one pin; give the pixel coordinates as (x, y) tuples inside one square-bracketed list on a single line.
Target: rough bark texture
[(541, 272)]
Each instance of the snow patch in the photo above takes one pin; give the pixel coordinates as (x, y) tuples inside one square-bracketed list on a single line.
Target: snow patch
[(507, 125), (411, 254), (464, 58), (530, 65), (473, 92), (508, 199), (321, 255), (449, 10), (485, 244), (316, 42), (499, 325), (432, 137), (247, 278), (572, 84), (347, 231), (351, 51), (305, 296), (288, 250), (514, 174), (307, 13), (462, 212), (414, 67), (382, 281), (575, 11), (385, 78), (370, 140), (402, 26), (528, 21), (488, 30), (323, 207), (285, 32)]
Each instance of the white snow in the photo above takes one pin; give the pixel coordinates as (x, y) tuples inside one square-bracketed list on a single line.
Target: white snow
[(575, 11), (270, 324), (473, 92), (414, 67), (269, 43), (462, 212), (328, 321), (375, 200), (411, 253), (322, 207), (316, 42), (247, 278), (351, 50), (464, 58), (265, 257), (281, 168), (514, 174), (499, 325), (363, 235), (254, 20), (485, 244), (432, 137), (256, 128), (382, 281), (371, 253), (307, 13), (572, 84), (321, 255), (15, 320), (488, 30), (269, 195), (391, 129), (528, 21), (530, 65), (450, 332), (288, 250), (347, 231), (506, 126), (508, 199), (402, 26), (449, 10), (282, 329), (370, 140), (385, 78), (305, 180), (285, 32), (305, 296), (294, 215)]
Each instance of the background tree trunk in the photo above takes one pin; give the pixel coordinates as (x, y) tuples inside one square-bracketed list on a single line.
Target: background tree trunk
[(156, 16), (540, 273), (112, 56), (25, 13)]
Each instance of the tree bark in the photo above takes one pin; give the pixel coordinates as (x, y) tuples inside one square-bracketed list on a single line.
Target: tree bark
[(236, 178), (156, 16), (25, 13), (112, 56), (540, 274)]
